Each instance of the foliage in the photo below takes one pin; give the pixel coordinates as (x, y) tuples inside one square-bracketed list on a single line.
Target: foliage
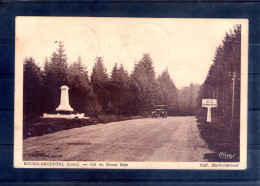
[(32, 95), (94, 108), (144, 86), (99, 82), (118, 94), (55, 75), (223, 80), (188, 99), (167, 93), (103, 118), (121, 93), (80, 87)]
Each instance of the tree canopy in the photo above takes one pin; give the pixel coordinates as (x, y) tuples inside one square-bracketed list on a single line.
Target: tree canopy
[(135, 93), (223, 80)]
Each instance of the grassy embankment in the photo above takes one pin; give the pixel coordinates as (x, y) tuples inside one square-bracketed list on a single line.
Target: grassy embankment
[(41, 126), (219, 138)]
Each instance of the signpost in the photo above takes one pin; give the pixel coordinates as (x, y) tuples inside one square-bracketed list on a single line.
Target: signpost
[(209, 103)]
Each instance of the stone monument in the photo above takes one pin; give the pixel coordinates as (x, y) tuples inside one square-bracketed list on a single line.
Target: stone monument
[(64, 106), (64, 100)]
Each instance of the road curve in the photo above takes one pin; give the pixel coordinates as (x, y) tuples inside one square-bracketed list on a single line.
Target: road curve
[(174, 139)]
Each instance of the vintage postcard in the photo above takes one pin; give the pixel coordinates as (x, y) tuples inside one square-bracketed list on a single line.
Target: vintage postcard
[(130, 93)]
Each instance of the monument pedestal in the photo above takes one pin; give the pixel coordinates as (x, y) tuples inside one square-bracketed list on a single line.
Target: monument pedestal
[(64, 100)]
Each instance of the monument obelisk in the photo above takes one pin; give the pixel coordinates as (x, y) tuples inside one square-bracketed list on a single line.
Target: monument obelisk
[(64, 100), (64, 106)]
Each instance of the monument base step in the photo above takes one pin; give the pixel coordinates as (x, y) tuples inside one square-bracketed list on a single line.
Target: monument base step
[(63, 112), (68, 116)]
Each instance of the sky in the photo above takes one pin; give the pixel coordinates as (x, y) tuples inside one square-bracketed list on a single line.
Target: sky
[(186, 47)]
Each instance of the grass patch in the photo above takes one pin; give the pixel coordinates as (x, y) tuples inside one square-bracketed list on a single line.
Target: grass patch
[(42, 126)]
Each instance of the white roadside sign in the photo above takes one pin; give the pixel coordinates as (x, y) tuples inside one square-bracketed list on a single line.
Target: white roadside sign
[(209, 103)]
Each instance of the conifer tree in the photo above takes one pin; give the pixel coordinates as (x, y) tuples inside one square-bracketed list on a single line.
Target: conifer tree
[(119, 90), (168, 93), (32, 88), (99, 82), (137, 85), (144, 85), (55, 76), (80, 88)]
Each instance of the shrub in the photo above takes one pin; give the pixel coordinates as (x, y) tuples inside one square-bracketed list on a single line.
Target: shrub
[(94, 108), (107, 118)]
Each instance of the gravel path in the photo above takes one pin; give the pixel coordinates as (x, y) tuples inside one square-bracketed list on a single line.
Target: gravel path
[(174, 139)]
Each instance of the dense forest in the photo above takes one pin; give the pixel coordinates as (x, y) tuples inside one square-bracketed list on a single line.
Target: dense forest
[(101, 92), (119, 92), (223, 82)]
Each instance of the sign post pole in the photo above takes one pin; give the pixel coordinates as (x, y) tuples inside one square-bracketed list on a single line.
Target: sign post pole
[(233, 98), (209, 114)]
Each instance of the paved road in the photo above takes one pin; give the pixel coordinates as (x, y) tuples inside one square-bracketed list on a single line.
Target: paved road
[(174, 139)]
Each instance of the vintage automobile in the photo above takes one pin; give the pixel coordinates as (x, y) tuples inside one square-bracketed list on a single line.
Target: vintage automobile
[(160, 111)]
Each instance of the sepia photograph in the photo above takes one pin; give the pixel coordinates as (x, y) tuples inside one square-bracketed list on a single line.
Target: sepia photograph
[(130, 93)]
